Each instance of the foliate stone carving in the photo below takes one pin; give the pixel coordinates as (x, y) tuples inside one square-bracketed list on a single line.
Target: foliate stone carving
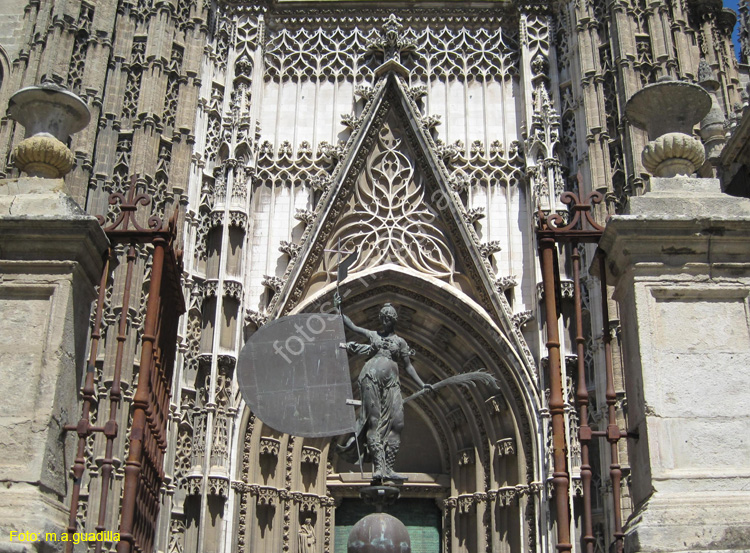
[(429, 122), (522, 317), (269, 446), (489, 248), (365, 92), (290, 248), (245, 43), (80, 48), (305, 216), (673, 154), (172, 96), (43, 156), (417, 92), (342, 53), (273, 282), (474, 214), (134, 72), (226, 366), (183, 449), (239, 486), (467, 503), (567, 290), (506, 447), (256, 317), (577, 486), (506, 283), (329, 153), (310, 455), (459, 182), (350, 121), (543, 134), (309, 502), (320, 183), (83, 511), (319, 54), (286, 169)]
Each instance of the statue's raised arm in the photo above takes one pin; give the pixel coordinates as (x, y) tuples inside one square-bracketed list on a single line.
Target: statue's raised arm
[(380, 421)]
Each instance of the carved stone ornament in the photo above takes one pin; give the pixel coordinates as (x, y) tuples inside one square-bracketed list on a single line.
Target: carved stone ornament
[(504, 496), (506, 447), (273, 282), (673, 154), (522, 317), (310, 455), (50, 114), (506, 282), (43, 156), (466, 457), (218, 486), (269, 446), (489, 248), (668, 110)]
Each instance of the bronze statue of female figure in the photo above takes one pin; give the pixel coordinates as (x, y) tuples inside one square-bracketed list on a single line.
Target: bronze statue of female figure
[(381, 418)]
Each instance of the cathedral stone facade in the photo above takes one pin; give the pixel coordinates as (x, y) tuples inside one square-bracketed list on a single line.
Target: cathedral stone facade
[(430, 137)]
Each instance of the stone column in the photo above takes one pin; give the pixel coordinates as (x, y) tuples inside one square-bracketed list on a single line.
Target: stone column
[(51, 258), (680, 261)]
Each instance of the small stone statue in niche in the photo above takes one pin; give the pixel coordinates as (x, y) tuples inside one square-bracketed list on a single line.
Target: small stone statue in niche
[(306, 537)]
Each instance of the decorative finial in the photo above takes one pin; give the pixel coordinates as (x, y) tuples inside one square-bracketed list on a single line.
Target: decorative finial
[(50, 114), (392, 44), (668, 110)]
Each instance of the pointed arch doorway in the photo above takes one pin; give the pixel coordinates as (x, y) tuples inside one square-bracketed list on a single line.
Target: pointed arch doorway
[(469, 453)]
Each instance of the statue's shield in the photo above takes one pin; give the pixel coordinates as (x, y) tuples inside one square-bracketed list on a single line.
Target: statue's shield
[(295, 377)]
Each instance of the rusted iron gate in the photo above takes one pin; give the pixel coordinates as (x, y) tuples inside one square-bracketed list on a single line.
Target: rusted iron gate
[(144, 471), (582, 229)]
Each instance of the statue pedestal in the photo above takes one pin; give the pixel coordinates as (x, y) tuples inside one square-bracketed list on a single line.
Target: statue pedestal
[(680, 262), (50, 261)]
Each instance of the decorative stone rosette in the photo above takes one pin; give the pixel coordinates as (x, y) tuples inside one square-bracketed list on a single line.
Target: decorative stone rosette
[(673, 154), (43, 155)]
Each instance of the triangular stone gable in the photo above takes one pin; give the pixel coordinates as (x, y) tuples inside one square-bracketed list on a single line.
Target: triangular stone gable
[(391, 166), (392, 216)]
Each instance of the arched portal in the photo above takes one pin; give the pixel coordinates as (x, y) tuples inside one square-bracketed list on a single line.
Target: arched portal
[(472, 451)]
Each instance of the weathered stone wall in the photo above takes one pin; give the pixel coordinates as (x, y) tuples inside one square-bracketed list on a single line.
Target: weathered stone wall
[(51, 255)]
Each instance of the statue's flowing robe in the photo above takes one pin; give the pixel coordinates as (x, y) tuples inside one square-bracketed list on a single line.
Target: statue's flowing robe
[(380, 393)]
